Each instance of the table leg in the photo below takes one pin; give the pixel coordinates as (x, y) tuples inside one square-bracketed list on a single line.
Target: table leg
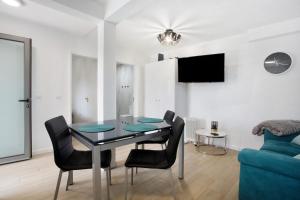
[(113, 163), (96, 172), (181, 158)]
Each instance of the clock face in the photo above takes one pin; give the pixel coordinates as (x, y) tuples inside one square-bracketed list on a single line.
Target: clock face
[(277, 63)]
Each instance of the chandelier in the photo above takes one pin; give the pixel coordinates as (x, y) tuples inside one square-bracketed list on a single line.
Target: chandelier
[(169, 38)]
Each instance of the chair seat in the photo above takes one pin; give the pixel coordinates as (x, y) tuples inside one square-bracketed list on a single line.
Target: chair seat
[(157, 140), (83, 160), (147, 159)]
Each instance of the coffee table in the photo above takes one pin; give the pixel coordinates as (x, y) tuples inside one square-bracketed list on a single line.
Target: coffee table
[(206, 133)]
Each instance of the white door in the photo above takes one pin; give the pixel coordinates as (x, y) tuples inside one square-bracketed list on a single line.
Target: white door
[(15, 118), (124, 90), (84, 89), (159, 88), (151, 91)]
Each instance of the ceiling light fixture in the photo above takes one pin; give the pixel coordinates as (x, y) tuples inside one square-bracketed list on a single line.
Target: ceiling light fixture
[(169, 38), (13, 3)]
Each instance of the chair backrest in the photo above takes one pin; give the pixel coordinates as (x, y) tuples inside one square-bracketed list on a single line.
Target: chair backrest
[(61, 139), (169, 116), (174, 138)]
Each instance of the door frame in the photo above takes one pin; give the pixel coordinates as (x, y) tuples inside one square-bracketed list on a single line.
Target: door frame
[(133, 103), (71, 80), (27, 93)]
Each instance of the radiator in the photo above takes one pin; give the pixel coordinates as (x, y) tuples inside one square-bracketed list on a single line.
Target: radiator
[(191, 125)]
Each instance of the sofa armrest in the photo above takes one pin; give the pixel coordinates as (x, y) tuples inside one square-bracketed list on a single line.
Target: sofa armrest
[(269, 161), (287, 138)]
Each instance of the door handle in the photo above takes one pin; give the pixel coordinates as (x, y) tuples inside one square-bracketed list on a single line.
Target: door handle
[(24, 100)]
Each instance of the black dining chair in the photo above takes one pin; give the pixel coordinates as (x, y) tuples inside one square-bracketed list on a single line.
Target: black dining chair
[(162, 140), (156, 159), (67, 158)]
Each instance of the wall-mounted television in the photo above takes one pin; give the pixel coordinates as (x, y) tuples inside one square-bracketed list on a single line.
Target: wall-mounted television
[(206, 68)]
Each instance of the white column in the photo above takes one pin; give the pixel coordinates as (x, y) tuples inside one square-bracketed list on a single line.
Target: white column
[(107, 66), (106, 71)]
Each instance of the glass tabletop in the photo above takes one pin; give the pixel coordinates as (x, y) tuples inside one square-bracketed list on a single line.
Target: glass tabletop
[(115, 134)]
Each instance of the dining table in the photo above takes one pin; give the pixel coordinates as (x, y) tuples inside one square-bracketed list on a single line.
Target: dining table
[(118, 136)]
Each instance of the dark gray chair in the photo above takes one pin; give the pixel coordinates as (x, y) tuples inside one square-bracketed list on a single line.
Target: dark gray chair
[(168, 117), (156, 159), (67, 158), (162, 140)]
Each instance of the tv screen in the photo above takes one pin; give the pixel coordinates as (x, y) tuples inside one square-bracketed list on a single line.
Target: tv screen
[(207, 68)]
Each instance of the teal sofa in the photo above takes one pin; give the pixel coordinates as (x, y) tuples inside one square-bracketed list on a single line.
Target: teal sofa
[(271, 173)]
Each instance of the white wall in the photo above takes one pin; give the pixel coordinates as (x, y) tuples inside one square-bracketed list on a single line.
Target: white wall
[(51, 72), (51, 64), (249, 94), (86, 45)]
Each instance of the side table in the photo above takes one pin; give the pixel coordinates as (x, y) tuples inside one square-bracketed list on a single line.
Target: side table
[(210, 137)]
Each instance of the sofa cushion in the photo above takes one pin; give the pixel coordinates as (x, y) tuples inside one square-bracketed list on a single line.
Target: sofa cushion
[(296, 140), (281, 147)]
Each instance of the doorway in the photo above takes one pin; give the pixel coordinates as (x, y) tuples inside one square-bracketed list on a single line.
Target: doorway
[(15, 101), (84, 89), (125, 98)]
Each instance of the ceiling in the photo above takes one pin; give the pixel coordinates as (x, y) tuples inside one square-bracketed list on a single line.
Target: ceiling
[(102, 1), (196, 20), (200, 20), (48, 16), (94, 8)]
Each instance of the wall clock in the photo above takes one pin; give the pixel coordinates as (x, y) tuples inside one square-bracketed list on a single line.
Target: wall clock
[(277, 63)]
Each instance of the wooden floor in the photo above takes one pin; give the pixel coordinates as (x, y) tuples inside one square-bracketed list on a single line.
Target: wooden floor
[(206, 177)]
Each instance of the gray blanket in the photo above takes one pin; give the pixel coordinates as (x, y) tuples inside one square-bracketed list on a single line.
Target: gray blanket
[(278, 127)]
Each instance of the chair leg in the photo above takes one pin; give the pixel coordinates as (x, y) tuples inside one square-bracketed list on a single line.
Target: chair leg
[(136, 147), (70, 179), (109, 171), (143, 147), (131, 175), (126, 182), (58, 184), (107, 182), (172, 182)]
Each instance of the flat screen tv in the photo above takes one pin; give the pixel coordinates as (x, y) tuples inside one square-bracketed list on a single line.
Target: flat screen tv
[(206, 68)]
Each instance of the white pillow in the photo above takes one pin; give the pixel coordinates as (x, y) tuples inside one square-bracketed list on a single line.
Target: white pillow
[(296, 140), (297, 156)]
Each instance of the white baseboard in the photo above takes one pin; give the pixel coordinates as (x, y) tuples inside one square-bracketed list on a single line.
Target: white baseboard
[(233, 147), (42, 151)]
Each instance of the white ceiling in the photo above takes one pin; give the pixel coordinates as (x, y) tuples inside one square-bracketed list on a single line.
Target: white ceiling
[(95, 8), (196, 20), (200, 20), (50, 17), (101, 1)]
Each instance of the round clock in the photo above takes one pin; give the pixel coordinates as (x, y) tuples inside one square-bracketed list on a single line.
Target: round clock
[(277, 63)]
